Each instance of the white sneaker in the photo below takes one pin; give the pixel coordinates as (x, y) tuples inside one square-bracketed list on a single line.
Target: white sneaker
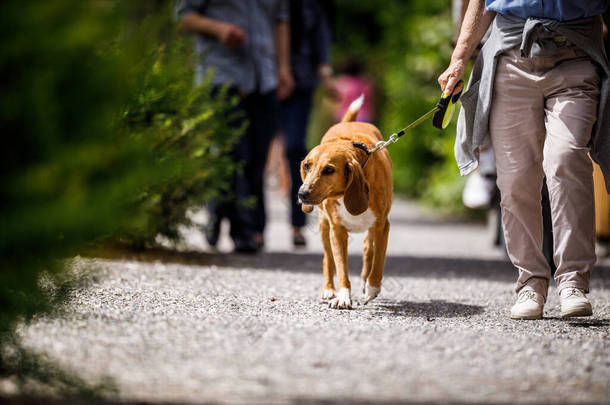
[(477, 191), (529, 305), (574, 302)]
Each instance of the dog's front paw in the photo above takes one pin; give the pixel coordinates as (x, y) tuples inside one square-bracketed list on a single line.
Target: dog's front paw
[(328, 294), (343, 300), (370, 292)]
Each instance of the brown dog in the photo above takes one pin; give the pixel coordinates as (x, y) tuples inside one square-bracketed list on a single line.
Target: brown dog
[(351, 199)]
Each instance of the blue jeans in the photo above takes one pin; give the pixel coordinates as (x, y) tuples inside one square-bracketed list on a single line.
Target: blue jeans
[(294, 116)]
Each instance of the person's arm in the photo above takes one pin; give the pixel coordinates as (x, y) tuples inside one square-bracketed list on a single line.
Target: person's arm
[(476, 22), (227, 33), (325, 72), (282, 52), (322, 45)]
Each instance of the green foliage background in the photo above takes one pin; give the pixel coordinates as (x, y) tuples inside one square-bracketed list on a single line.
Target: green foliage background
[(105, 139), (405, 46)]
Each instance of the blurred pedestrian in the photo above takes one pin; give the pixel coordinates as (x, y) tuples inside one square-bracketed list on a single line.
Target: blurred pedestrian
[(247, 45), (310, 43), (539, 94), (351, 83)]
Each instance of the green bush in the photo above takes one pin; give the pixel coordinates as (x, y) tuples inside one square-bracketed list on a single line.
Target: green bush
[(183, 124), (66, 175), (105, 138)]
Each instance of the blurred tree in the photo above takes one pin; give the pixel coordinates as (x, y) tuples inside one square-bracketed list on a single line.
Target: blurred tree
[(104, 138), (182, 124)]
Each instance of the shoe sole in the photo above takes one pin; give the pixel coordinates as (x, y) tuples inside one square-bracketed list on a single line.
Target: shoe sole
[(526, 317), (583, 311)]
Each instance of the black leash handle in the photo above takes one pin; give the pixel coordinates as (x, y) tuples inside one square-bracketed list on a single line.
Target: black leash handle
[(446, 108)]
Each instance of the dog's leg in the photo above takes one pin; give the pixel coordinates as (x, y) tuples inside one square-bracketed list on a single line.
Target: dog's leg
[(367, 259), (338, 241), (373, 285), (328, 265)]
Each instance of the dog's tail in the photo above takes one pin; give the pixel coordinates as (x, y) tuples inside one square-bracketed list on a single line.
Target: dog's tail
[(354, 108)]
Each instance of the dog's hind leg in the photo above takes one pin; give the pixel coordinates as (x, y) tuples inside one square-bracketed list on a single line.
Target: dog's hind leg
[(328, 264), (373, 285), (367, 259)]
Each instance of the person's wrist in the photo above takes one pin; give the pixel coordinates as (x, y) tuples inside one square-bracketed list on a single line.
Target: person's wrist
[(461, 54), (459, 58), (284, 69), (218, 28)]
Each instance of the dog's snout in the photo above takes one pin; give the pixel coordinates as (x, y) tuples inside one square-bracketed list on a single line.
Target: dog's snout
[(303, 194)]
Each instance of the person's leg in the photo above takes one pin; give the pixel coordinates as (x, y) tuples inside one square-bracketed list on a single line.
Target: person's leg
[(517, 134), (294, 119), (262, 115), (277, 165), (241, 220), (572, 93), (226, 206)]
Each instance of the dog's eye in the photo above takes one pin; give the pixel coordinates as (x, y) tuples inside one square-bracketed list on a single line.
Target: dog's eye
[(328, 170), (306, 167)]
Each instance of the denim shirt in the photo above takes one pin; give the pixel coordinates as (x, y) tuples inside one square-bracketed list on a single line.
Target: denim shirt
[(251, 66), (561, 10)]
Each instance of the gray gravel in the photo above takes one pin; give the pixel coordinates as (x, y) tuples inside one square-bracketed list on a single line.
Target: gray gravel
[(201, 327)]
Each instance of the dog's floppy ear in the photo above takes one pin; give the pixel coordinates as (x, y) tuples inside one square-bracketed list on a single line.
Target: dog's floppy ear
[(306, 208), (303, 173), (356, 194)]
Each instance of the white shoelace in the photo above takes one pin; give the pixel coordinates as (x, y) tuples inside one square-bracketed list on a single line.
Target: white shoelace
[(526, 295), (573, 291)]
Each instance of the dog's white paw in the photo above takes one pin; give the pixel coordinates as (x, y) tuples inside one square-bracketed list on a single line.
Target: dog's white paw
[(370, 292), (328, 294), (343, 300)]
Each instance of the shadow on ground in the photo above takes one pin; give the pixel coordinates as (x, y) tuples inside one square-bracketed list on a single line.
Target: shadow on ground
[(429, 309), (582, 322), (404, 266)]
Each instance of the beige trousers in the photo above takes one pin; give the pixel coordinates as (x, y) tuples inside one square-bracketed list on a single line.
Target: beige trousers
[(541, 118)]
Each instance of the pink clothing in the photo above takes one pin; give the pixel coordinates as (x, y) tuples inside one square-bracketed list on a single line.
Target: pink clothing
[(350, 88)]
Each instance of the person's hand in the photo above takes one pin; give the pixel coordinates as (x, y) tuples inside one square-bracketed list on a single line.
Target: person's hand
[(452, 76), (285, 84), (331, 87), (230, 35)]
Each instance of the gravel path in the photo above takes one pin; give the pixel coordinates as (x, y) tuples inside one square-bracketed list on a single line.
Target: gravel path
[(200, 327)]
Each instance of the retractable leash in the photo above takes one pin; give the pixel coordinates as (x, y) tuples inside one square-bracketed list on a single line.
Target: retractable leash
[(442, 114)]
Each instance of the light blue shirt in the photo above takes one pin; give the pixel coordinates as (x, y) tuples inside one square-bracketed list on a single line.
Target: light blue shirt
[(562, 10), (251, 66)]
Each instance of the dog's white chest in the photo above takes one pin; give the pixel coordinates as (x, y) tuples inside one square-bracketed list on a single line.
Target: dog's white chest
[(357, 223)]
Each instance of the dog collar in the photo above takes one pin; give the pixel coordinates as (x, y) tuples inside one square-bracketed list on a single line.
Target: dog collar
[(366, 150)]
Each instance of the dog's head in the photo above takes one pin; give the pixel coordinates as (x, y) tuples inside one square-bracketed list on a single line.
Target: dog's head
[(333, 170)]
